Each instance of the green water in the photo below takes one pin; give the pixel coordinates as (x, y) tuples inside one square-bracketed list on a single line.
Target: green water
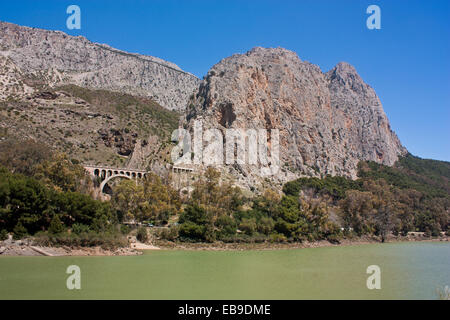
[(408, 271)]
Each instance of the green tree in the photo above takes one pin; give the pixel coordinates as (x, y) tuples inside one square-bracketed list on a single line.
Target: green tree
[(19, 231), (128, 199), (56, 226), (265, 225), (248, 226), (192, 231), (357, 207), (63, 175), (161, 201), (3, 234)]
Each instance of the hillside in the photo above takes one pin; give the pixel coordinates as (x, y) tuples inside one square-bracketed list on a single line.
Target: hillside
[(92, 126), (414, 194)]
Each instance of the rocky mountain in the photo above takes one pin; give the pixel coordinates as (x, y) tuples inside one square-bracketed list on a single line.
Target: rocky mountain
[(107, 106), (55, 58), (327, 122)]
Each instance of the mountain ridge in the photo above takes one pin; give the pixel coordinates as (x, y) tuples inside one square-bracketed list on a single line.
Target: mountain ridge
[(64, 59)]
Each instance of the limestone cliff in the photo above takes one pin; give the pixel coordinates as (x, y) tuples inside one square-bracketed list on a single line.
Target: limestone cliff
[(328, 122)]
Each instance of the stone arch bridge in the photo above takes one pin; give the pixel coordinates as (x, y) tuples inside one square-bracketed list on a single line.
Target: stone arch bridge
[(106, 174)]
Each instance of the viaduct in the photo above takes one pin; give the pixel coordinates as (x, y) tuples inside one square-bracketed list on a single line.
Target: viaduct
[(106, 174)]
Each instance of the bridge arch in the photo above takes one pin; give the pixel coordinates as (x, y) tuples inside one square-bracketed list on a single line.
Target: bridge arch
[(104, 182), (106, 174)]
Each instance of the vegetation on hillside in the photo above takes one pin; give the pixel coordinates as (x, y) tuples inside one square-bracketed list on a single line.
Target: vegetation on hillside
[(149, 115), (413, 195), (50, 197), (94, 126)]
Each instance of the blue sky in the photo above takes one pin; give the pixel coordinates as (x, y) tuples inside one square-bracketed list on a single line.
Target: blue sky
[(407, 62)]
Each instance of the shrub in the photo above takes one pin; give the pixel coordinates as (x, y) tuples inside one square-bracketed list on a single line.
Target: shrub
[(89, 239), (19, 231), (79, 228), (194, 213), (248, 226), (276, 237), (333, 238), (265, 225), (124, 229), (192, 231), (3, 235), (56, 226), (227, 225), (169, 234)]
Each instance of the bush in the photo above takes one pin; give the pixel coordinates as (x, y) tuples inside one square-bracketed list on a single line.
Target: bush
[(88, 239), (333, 238), (124, 229), (170, 234), (276, 237), (3, 235), (265, 225), (19, 231), (194, 213), (142, 235), (226, 225), (56, 226), (79, 228), (248, 226), (29, 201), (193, 231)]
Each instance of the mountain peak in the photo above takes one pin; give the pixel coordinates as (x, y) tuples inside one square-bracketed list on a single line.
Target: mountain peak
[(327, 122), (343, 70)]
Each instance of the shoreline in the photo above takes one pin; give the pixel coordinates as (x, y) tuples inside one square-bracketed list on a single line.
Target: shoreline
[(29, 249), (26, 248), (221, 246)]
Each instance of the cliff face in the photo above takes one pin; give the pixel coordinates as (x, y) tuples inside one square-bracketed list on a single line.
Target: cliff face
[(56, 58), (327, 122)]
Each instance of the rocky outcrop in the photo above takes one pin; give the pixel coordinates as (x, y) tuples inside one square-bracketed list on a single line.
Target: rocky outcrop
[(327, 122), (55, 58), (123, 140)]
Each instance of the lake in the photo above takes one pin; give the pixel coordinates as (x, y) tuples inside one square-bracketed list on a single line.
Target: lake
[(408, 271)]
